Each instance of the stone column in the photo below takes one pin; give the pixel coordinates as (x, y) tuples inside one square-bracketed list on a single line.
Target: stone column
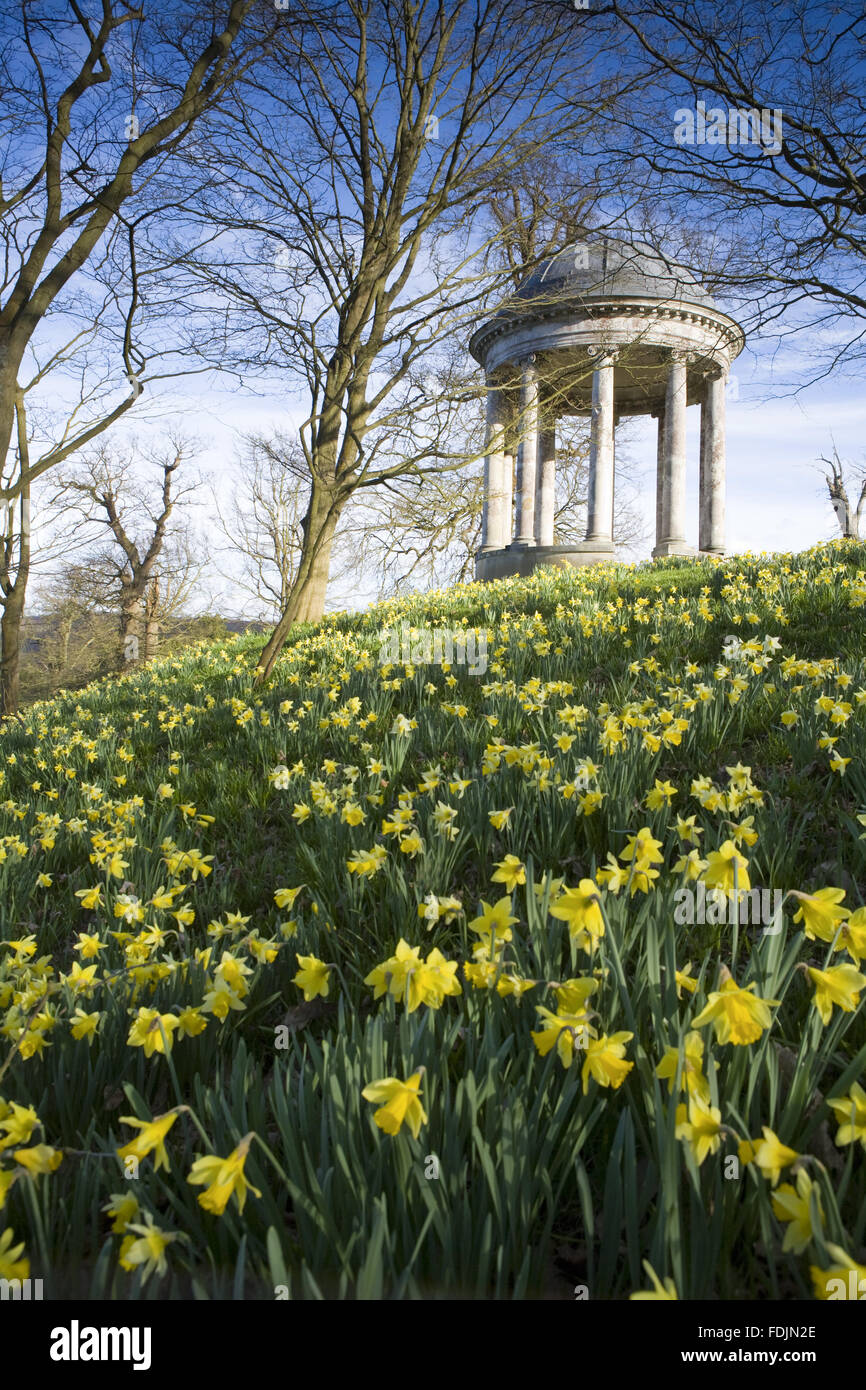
[(496, 516), (712, 484), (599, 526), (545, 500), (660, 469), (671, 537), (527, 454), (508, 492)]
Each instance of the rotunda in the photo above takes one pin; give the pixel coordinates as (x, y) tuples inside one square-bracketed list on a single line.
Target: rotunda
[(603, 328)]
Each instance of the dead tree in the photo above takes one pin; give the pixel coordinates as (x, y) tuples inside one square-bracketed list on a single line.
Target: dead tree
[(109, 494), (847, 514)]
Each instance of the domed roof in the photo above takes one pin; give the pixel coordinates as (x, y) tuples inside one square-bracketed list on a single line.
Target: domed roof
[(600, 277), (603, 267)]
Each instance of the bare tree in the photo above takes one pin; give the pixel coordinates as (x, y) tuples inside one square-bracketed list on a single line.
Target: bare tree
[(262, 523), (551, 201), (848, 514), (76, 152), (73, 639), (353, 246), (140, 572), (95, 106), (748, 127)]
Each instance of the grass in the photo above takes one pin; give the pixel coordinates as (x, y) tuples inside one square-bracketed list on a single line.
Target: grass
[(609, 707)]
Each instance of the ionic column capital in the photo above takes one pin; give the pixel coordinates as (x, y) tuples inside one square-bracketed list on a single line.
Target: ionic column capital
[(715, 372), (602, 354)]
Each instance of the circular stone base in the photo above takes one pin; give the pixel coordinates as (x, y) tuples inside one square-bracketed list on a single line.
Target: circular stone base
[(667, 548), (498, 564)]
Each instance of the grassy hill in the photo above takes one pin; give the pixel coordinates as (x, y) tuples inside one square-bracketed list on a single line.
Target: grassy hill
[(240, 908)]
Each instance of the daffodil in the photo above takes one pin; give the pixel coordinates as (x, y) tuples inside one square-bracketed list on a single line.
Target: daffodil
[(727, 868), (430, 982), (690, 865), (700, 1125), (367, 862), (10, 1265), (147, 1253), (89, 945), (152, 1137), (852, 936), (840, 985), (80, 980), (391, 974), (540, 888), (571, 995), (579, 907), (564, 1031), (18, 1122), (494, 921), (153, 1031), (850, 1112), (662, 1292), (642, 847), (399, 1103), (313, 977), (820, 912), (514, 986), (604, 1061), (510, 871), (793, 1206), (285, 897), (640, 853), (84, 1025), (190, 1022), (221, 999), (123, 1206), (90, 897), (692, 1077), (662, 794), (684, 980), (738, 1015), (769, 1154), (42, 1158), (7, 1179), (224, 1177), (612, 875), (233, 972), (481, 974)]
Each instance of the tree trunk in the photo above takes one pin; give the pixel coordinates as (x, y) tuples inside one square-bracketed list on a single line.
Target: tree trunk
[(307, 599), (13, 611), (151, 620), (10, 642), (131, 628), (151, 638)]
